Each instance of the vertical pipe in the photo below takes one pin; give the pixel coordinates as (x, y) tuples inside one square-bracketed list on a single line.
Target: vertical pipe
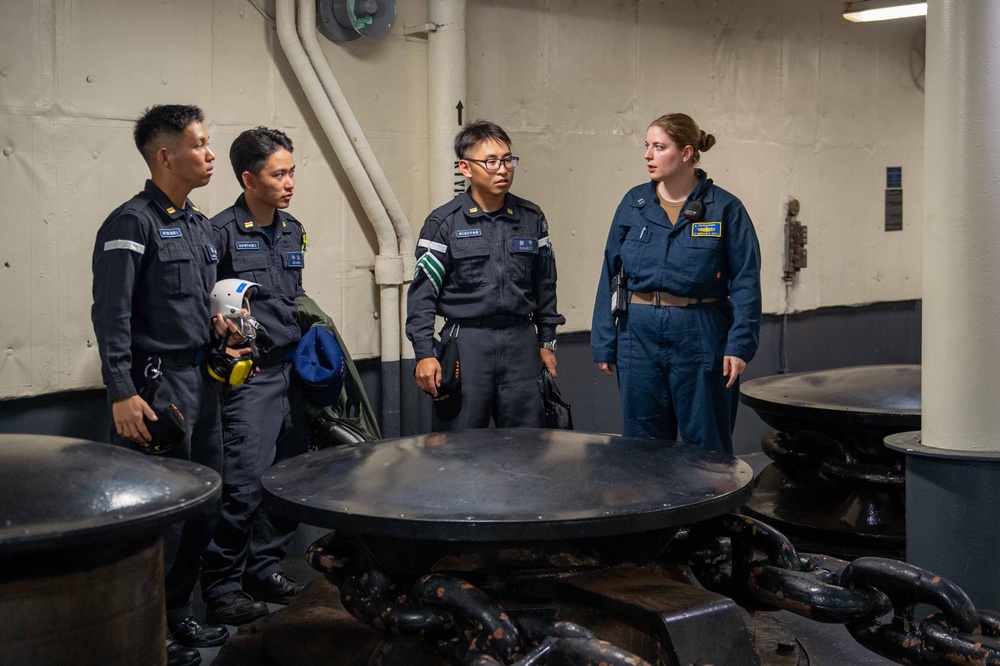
[(388, 264), (446, 90), (961, 326), (446, 93), (953, 465)]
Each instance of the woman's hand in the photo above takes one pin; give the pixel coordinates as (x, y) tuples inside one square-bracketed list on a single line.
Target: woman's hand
[(733, 367), (606, 368)]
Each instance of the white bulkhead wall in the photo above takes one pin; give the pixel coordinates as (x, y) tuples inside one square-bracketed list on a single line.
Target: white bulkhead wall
[(802, 103)]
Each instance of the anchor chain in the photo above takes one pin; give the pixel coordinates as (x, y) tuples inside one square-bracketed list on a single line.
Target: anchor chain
[(460, 620), (744, 557)]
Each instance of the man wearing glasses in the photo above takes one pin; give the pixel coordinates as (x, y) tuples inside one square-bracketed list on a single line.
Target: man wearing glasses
[(485, 264)]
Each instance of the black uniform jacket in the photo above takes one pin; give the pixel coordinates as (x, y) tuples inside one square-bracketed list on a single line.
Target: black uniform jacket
[(472, 266), (248, 253), (154, 268)]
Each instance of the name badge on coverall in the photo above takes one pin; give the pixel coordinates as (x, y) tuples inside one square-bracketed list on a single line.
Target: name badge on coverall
[(706, 229)]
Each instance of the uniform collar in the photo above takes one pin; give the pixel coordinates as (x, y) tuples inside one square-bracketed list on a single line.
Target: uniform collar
[(472, 209), (648, 201), (245, 222), (164, 202)]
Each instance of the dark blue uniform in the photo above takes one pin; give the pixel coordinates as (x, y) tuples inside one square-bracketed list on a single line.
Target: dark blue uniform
[(495, 276), (154, 267), (263, 419), (670, 358)]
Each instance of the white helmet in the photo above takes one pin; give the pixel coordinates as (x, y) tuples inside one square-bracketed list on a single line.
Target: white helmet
[(230, 297)]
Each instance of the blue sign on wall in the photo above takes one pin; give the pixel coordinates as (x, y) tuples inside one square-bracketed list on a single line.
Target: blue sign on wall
[(893, 177)]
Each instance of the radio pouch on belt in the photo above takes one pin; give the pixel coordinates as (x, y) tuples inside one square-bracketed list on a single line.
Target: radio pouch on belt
[(619, 293)]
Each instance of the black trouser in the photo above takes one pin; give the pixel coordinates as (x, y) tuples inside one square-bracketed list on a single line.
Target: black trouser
[(500, 369), (264, 422), (184, 543)]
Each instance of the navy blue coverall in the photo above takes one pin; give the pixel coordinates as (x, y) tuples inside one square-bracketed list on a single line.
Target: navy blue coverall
[(669, 359), (154, 267), (494, 275), (263, 420)]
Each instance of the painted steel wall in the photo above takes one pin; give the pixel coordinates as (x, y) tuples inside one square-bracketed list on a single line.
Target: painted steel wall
[(75, 74), (802, 102)]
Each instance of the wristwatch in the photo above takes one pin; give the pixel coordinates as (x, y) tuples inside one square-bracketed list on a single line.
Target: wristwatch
[(551, 345)]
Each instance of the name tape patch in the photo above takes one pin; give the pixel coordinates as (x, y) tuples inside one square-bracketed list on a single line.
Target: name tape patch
[(171, 233), (211, 253), (294, 260), (248, 245), (706, 229), (524, 245), (468, 233)]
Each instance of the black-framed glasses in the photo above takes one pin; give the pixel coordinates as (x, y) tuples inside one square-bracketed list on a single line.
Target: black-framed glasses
[(493, 163)]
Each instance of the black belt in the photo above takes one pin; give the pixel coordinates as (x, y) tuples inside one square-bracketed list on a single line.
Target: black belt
[(496, 321), (279, 355), (186, 358)]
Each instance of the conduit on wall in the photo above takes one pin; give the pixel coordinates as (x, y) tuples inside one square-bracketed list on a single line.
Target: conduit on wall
[(389, 265), (394, 263), (404, 231), (446, 83)]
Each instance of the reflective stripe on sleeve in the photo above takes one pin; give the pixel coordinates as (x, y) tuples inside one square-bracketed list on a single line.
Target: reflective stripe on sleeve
[(543, 242), (431, 245), (125, 245)]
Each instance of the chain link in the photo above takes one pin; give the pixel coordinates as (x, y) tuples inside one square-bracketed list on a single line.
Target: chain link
[(462, 622), (860, 594)]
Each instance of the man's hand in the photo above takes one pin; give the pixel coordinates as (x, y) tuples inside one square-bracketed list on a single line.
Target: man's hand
[(428, 375), (606, 368), (221, 325), (128, 414), (548, 360), (733, 367)]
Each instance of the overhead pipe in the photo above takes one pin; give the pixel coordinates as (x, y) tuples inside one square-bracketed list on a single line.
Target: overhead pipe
[(400, 222), (389, 272)]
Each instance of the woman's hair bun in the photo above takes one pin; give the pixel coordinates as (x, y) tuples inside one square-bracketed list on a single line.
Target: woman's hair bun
[(705, 141)]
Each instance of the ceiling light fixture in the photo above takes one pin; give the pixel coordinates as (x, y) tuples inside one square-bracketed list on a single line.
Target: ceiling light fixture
[(882, 10)]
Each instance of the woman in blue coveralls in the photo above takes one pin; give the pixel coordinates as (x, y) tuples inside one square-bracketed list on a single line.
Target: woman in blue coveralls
[(691, 263)]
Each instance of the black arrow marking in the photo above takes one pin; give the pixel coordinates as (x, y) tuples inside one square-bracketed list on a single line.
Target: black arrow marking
[(459, 107)]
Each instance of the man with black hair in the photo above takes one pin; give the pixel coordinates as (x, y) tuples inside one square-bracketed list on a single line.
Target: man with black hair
[(485, 264), (154, 266), (264, 418)]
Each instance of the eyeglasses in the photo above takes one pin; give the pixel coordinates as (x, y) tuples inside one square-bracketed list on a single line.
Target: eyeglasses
[(493, 163)]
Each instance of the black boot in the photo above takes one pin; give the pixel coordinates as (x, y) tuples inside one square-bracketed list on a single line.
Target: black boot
[(178, 655), (235, 608), (275, 589)]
